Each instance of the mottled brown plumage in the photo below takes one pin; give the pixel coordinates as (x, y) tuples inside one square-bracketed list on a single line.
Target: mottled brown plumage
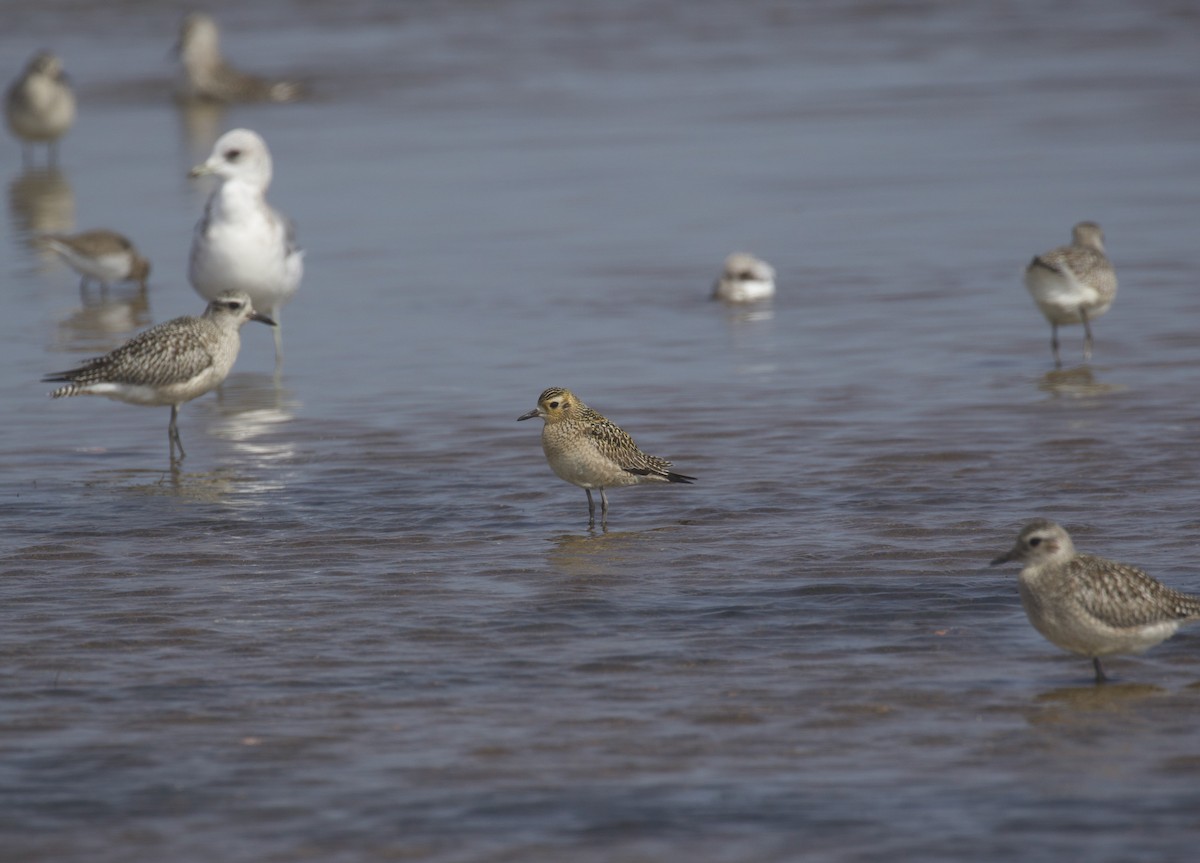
[(588, 450)]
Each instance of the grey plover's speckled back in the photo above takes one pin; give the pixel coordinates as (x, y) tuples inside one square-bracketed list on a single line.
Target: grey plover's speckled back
[(744, 279), (1073, 284), (592, 452), (40, 105), (168, 364), (207, 77), (241, 242), (1090, 605), (100, 255)]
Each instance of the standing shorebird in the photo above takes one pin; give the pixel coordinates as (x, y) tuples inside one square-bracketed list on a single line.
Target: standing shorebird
[(1090, 605), (168, 364), (745, 279), (1073, 284), (242, 243), (101, 255), (206, 75), (590, 451), (40, 106)]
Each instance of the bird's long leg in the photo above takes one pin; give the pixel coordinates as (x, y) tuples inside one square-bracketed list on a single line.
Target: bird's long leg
[(1087, 335), (278, 328), (1054, 345), (1101, 677), (173, 434), (591, 508), (603, 508)]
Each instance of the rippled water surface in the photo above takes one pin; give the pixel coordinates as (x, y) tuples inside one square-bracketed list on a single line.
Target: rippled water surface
[(366, 622)]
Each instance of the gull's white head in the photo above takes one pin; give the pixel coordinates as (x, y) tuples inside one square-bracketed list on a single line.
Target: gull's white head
[(239, 155)]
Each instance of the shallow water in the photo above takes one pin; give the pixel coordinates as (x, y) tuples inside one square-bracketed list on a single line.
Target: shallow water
[(366, 622)]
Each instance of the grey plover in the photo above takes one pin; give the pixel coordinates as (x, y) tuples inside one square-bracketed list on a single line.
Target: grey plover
[(592, 452), (207, 77), (1073, 284), (40, 105), (744, 279), (168, 364), (241, 242), (1090, 605), (100, 255)]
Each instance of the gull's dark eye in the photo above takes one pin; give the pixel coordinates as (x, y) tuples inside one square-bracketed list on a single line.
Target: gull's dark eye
[(232, 155), (1035, 542)]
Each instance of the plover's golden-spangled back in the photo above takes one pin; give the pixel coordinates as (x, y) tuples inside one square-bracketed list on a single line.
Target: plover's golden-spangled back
[(744, 279), (168, 364), (1073, 284), (102, 255), (206, 75), (40, 105), (242, 242), (592, 452), (1090, 605)]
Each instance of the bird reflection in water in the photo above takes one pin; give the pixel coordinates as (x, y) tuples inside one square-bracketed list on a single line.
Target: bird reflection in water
[(1079, 382), (40, 201), (103, 321), (251, 409)]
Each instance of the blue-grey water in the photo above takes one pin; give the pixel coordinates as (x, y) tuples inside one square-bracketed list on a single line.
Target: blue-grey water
[(365, 622)]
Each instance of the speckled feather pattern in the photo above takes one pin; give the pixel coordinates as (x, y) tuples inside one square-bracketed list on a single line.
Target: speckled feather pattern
[(1091, 605), (172, 352), (587, 449), (1120, 595), (171, 363)]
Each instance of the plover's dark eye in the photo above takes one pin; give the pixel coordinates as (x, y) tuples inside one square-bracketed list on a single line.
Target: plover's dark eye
[(553, 404), (233, 155), (1035, 542)]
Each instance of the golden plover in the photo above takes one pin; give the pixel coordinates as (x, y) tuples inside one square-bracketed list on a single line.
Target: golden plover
[(1073, 284), (40, 106), (206, 75), (242, 243), (101, 255), (1089, 605), (590, 451), (168, 364), (745, 279)]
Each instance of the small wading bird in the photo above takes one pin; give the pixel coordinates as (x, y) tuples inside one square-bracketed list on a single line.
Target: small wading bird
[(206, 75), (168, 364), (1090, 605), (100, 255), (592, 452), (1073, 284), (40, 106)]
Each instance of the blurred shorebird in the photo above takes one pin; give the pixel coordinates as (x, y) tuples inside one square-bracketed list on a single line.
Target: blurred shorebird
[(40, 105), (1073, 284)]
